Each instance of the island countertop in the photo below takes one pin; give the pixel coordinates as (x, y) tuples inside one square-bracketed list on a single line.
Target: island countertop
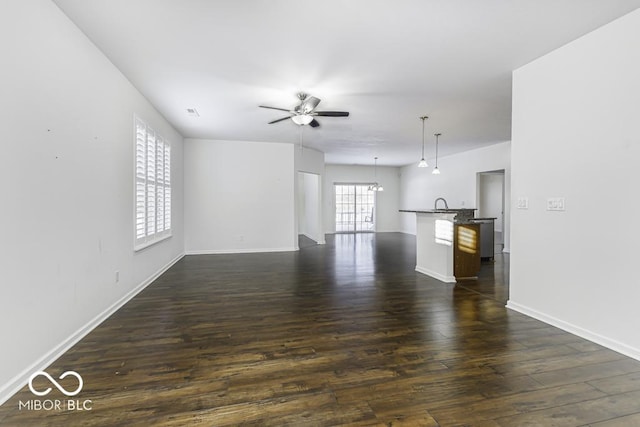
[(459, 215), (438, 210)]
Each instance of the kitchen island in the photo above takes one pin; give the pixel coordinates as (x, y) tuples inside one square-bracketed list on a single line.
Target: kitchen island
[(447, 244)]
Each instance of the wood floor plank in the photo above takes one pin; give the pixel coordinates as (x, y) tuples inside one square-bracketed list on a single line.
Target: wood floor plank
[(618, 384), (345, 333), (517, 403), (587, 373), (578, 414), (627, 421), (536, 366)]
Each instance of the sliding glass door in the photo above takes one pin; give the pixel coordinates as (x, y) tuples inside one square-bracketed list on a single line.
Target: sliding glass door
[(355, 208)]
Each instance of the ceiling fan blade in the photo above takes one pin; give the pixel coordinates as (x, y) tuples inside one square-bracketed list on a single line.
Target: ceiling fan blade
[(314, 123), (279, 120), (331, 113), (274, 108), (309, 104)]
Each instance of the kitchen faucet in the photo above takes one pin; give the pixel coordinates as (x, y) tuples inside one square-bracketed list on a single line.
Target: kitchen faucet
[(435, 204)]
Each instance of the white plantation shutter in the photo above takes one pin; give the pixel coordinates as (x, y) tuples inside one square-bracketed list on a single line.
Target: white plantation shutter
[(159, 185), (153, 186), (167, 187), (141, 182), (151, 182)]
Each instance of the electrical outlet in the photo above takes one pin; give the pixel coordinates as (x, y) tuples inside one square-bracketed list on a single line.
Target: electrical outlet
[(555, 204), (522, 203), (117, 276)]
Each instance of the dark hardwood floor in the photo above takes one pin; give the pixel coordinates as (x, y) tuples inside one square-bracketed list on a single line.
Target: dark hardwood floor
[(345, 333)]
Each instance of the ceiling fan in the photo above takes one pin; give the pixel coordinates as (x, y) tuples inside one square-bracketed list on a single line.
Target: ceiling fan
[(305, 112)]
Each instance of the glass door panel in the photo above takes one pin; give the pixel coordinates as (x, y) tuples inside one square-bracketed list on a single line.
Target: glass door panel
[(355, 207)]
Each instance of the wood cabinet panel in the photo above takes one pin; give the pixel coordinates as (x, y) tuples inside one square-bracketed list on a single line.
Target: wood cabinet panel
[(466, 250)]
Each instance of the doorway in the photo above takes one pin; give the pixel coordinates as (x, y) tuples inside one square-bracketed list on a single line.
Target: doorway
[(309, 207), (491, 202), (355, 208)]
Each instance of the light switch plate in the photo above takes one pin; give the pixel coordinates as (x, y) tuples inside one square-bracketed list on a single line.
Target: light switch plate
[(555, 204), (523, 203)]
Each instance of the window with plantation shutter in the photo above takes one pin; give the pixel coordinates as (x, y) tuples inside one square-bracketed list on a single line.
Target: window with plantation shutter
[(153, 186)]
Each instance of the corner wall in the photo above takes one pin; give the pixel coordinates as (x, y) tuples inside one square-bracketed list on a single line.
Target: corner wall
[(576, 135), (67, 185)]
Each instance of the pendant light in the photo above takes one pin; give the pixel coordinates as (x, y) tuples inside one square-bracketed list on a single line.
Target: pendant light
[(436, 171), (375, 186), (423, 162)]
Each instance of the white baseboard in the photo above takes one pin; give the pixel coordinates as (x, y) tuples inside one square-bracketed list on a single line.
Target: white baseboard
[(435, 275), (576, 330), (240, 251), (19, 381)]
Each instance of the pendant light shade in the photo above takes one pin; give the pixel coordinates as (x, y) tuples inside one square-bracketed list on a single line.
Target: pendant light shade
[(436, 171), (423, 163)]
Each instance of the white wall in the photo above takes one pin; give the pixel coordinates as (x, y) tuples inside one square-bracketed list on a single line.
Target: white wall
[(456, 182), (309, 160), (387, 201), (67, 180), (239, 196), (576, 135)]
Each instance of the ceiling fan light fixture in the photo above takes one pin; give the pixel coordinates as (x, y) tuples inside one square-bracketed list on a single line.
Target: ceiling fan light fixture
[(302, 119)]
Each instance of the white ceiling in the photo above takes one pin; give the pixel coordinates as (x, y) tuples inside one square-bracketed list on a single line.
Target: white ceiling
[(387, 62)]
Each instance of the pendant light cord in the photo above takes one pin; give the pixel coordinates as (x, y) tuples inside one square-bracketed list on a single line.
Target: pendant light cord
[(375, 169), (437, 135), (436, 171), (422, 137)]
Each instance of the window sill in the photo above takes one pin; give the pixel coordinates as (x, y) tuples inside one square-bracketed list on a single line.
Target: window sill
[(141, 246)]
